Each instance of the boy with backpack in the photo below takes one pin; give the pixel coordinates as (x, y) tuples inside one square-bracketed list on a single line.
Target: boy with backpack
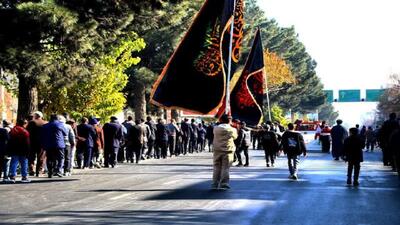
[(293, 146)]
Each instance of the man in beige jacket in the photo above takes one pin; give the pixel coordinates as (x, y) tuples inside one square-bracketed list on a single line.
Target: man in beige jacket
[(224, 148)]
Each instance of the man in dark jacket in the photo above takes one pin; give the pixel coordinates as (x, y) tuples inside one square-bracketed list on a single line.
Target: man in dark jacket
[(151, 137), (210, 136), (338, 134), (388, 127), (193, 137), (86, 135), (293, 145), (270, 143), (4, 156), (161, 139), (37, 152), (394, 147), (186, 133), (135, 141), (353, 146), (244, 142), (54, 145), (113, 135)]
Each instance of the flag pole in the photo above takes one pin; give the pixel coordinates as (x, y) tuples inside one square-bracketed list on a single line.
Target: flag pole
[(228, 78), (268, 103)]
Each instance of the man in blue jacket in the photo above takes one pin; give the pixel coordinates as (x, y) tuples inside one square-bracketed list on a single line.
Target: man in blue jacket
[(113, 135), (53, 143)]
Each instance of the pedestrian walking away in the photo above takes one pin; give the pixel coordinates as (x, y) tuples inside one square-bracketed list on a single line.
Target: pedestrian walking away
[(353, 152), (270, 143), (224, 147), (113, 136), (19, 147), (338, 135), (293, 146)]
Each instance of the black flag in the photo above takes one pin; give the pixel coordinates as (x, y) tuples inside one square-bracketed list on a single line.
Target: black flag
[(194, 78), (247, 95)]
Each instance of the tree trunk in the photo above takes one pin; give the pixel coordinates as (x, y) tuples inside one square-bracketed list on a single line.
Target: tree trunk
[(27, 97), (140, 101)]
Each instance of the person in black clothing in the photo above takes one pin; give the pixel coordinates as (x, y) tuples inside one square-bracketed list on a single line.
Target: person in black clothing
[(201, 139), (151, 138), (193, 137), (86, 135), (210, 136), (384, 135), (270, 143), (293, 145), (394, 147), (186, 133), (353, 146), (243, 144), (135, 141), (37, 153), (113, 136), (161, 140), (4, 154), (338, 135)]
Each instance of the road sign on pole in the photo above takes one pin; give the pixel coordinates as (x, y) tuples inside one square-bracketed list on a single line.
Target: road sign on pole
[(373, 95), (349, 95)]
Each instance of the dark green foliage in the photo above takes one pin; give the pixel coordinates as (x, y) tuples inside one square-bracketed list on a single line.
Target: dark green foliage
[(307, 93), (327, 112)]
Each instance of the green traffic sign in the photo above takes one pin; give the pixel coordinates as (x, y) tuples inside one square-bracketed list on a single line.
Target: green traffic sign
[(349, 95), (373, 95)]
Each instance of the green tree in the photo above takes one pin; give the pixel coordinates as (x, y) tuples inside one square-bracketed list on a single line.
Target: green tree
[(328, 113), (60, 41), (278, 115), (102, 94)]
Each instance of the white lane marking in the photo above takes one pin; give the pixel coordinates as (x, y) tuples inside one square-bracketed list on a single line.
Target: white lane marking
[(120, 196)]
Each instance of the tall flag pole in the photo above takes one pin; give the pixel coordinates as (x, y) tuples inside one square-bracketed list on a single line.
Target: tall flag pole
[(268, 102), (195, 77), (228, 80)]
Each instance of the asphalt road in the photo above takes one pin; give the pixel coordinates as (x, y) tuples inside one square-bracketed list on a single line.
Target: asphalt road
[(176, 191)]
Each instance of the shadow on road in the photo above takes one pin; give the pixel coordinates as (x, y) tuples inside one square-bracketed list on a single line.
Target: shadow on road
[(116, 217)]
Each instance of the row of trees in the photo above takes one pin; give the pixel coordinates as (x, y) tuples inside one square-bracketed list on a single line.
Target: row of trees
[(96, 57)]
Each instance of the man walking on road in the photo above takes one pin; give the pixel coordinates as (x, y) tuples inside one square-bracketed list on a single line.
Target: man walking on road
[(224, 148), (338, 134), (293, 145), (113, 136)]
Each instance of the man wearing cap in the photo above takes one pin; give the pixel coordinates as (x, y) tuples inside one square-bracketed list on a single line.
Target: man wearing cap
[(37, 153), (224, 148), (113, 136)]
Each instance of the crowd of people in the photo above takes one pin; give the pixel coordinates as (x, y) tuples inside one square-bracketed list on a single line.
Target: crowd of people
[(55, 147), (234, 138)]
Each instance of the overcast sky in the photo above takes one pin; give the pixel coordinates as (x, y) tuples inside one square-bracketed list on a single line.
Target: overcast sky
[(356, 43)]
